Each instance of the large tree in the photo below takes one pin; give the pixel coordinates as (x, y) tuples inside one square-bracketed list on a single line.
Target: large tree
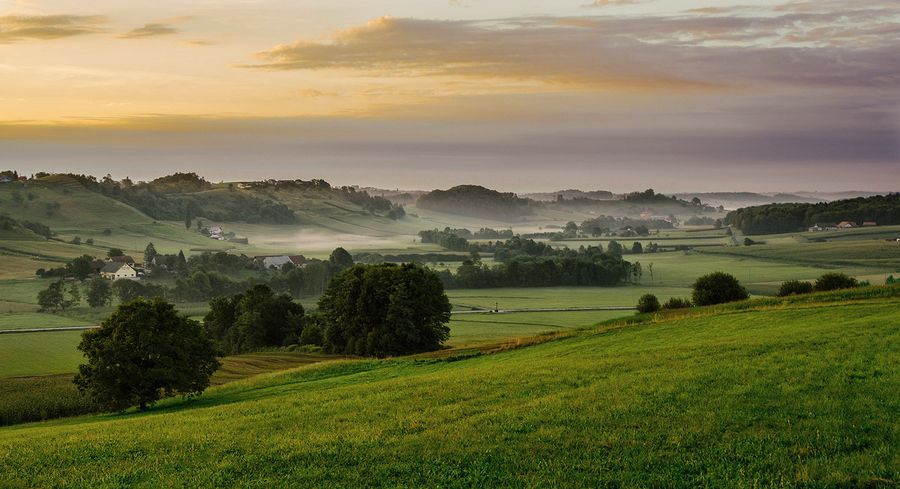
[(385, 310), (143, 352), (53, 298), (255, 319)]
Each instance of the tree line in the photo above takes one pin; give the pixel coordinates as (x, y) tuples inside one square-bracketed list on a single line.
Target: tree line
[(788, 218)]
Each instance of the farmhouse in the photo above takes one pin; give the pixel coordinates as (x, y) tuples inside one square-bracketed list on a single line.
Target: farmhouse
[(117, 270), (126, 259), (869, 224), (279, 261), (846, 225)]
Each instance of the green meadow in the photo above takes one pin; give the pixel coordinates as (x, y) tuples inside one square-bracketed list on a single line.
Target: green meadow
[(763, 394)]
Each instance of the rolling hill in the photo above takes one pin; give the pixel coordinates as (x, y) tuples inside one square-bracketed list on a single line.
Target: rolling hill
[(801, 392)]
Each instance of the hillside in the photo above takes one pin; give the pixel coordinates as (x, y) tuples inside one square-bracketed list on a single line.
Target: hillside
[(477, 201), (800, 394)]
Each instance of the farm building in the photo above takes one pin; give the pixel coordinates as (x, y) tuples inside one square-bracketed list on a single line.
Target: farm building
[(279, 261), (846, 225), (823, 227), (117, 270), (868, 224)]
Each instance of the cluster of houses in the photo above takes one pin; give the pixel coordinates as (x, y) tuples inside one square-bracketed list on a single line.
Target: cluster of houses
[(118, 267), (841, 225)]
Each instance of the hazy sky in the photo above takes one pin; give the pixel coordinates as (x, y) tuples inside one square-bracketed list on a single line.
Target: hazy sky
[(520, 95)]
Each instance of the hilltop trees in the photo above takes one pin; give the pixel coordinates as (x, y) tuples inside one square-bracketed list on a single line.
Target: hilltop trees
[(718, 288), (385, 310), (143, 352), (785, 218), (794, 287)]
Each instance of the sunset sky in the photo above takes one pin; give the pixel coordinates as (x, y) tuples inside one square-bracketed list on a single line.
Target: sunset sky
[(519, 95)]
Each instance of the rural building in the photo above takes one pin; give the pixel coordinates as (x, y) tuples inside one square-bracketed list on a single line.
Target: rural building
[(279, 261), (127, 259), (846, 225), (819, 226), (117, 270), (867, 224)]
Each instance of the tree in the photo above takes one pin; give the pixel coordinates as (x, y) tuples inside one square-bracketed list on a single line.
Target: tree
[(637, 247), (794, 287), (341, 259), (150, 254), (614, 248), (80, 267), (648, 303), (255, 319), (74, 295), (128, 290), (143, 352), (835, 281), (99, 292), (114, 252), (188, 216), (718, 288), (384, 310), (53, 297), (571, 227)]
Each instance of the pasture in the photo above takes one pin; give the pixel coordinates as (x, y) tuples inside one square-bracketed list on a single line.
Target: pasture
[(796, 395)]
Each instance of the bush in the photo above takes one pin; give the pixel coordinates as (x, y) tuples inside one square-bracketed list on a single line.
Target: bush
[(648, 303), (718, 288), (677, 303), (794, 287), (835, 281)]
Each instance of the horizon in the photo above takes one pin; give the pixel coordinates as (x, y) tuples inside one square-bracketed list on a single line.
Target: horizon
[(757, 95), (795, 192)]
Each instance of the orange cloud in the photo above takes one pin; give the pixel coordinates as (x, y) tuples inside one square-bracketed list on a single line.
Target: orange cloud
[(18, 28)]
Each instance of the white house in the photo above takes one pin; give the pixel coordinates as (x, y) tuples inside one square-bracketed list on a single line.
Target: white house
[(117, 270)]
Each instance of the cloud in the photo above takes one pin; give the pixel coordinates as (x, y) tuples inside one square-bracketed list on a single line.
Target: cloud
[(150, 30), (607, 3), (18, 28), (853, 47)]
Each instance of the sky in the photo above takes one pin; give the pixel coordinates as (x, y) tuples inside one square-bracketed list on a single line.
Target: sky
[(521, 95)]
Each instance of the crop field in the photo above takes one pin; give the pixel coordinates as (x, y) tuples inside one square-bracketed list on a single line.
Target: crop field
[(796, 395)]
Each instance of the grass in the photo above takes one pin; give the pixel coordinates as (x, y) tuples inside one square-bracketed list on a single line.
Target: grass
[(790, 396), (29, 354), (37, 320), (473, 329), (556, 297)]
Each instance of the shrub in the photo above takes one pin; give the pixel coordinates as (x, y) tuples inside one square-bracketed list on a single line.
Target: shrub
[(718, 288), (794, 287), (835, 281), (648, 303), (677, 303)]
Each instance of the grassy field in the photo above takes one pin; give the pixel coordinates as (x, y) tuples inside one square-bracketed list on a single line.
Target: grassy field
[(801, 395), (556, 297), (37, 320), (28, 354), (473, 329)]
